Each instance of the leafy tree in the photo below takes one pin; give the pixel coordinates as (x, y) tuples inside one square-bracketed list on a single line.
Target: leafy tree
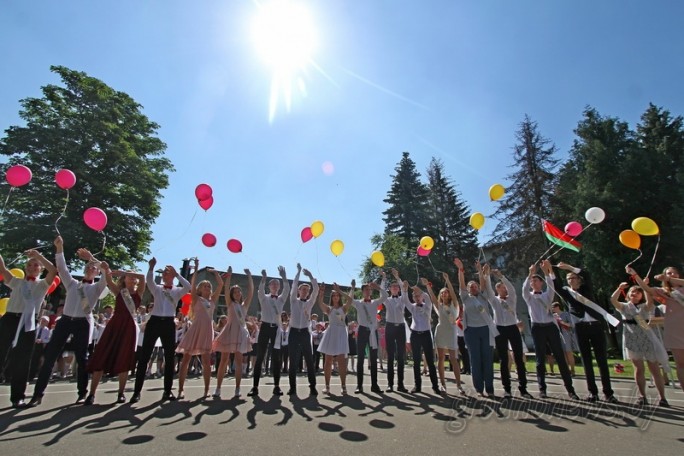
[(394, 249), (518, 233), (449, 224), (103, 137)]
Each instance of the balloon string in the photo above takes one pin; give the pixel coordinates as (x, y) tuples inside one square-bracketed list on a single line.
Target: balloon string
[(342, 266), (63, 212), (104, 242), (630, 263), (6, 200), (655, 252), (21, 255), (179, 237)]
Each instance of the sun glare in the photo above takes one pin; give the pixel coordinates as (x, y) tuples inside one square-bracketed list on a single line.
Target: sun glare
[(285, 38)]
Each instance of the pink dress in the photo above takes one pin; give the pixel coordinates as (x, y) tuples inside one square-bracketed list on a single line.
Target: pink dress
[(198, 339), (234, 337)]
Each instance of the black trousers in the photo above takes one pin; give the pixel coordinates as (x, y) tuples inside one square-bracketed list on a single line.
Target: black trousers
[(18, 358), (548, 333), (395, 337), (299, 345), (464, 355), (511, 334), (78, 329), (266, 341), (363, 341), (421, 342), (36, 359), (163, 328), (591, 336)]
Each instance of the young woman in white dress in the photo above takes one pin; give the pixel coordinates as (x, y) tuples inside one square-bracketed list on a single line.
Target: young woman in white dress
[(335, 342)]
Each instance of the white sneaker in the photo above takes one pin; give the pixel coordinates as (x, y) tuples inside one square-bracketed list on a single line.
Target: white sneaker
[(237, 392), (217, 393), (326, 390)]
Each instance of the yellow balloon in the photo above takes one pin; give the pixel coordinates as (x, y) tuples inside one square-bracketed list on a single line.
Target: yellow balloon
[(337, 247), (630, 239), (378, 258), (18, 273), (317, 228), (3, 305), (496, 191), (427, 242), (645, 226), (477, 220)]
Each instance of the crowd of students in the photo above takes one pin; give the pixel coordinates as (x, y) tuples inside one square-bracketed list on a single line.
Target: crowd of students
[(130, 338)]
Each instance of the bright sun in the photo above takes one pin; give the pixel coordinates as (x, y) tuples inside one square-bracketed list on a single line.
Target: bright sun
[(285, 38)]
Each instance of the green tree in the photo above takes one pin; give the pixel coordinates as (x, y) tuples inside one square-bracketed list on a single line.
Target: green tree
[(103, 137), (394, 249), (449, 224), (518, 233), (407, 214)]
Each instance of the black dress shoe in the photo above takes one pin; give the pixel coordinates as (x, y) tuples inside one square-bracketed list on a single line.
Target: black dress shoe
[(135, 398), (292, 392), (390, 389), (277, 391), (121, 398), (312, 391), (90, 400), (414, 390), (376, 389), (81, 398), (401, 389), (253, 392), (168, 396), (436, 391), (359, 390), (35, 401), (19, 404)]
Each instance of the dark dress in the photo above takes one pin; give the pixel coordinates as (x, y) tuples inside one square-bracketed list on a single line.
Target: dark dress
[(352, 343), (115, 351)]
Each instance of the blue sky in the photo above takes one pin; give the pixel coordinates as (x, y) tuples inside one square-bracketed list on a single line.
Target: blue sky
[(450, 79)]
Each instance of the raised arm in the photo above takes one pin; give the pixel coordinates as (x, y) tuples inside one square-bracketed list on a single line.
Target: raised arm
[(319, 300), (347, 299), (47, 264), (6, 275), (295, 284), (314, 283), (64, 274), (614, 298), (113, 286), (219, 286), (548, 274), (226, 283), (250, 291), (193, 280), (641, 283), (286, 284), (461, 274), (431, 293)]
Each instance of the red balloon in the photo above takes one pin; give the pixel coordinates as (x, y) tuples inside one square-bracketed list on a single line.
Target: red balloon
[(185, 309), (65, 179), (206, 203), (573, 229), (54, 285), (422, 252), (209, 239), (203, 191), (306, 234), (186, 298), (18, 175), (235, 246), (95, 218)]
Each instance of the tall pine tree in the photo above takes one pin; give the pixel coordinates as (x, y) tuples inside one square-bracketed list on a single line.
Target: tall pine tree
[(518, 234)]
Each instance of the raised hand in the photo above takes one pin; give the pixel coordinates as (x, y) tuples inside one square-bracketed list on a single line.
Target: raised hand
[(458, 263), (152, 262)]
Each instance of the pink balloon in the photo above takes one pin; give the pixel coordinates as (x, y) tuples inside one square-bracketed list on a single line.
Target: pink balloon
[(235, 246), (18, 175), (306, 235), (209, 239), (95, 218), (206, 203), (65, 179), (422, 252), (203, 192), (573, 229)]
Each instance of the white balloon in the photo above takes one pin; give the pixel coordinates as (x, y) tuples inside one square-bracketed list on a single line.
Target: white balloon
[(595, 215)]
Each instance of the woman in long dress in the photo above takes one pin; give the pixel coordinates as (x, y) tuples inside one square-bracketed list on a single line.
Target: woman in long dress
[(448, 311), (234, 338), (639, 340), (335, 342), (199, 337), (672, 295), (115, 351)]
